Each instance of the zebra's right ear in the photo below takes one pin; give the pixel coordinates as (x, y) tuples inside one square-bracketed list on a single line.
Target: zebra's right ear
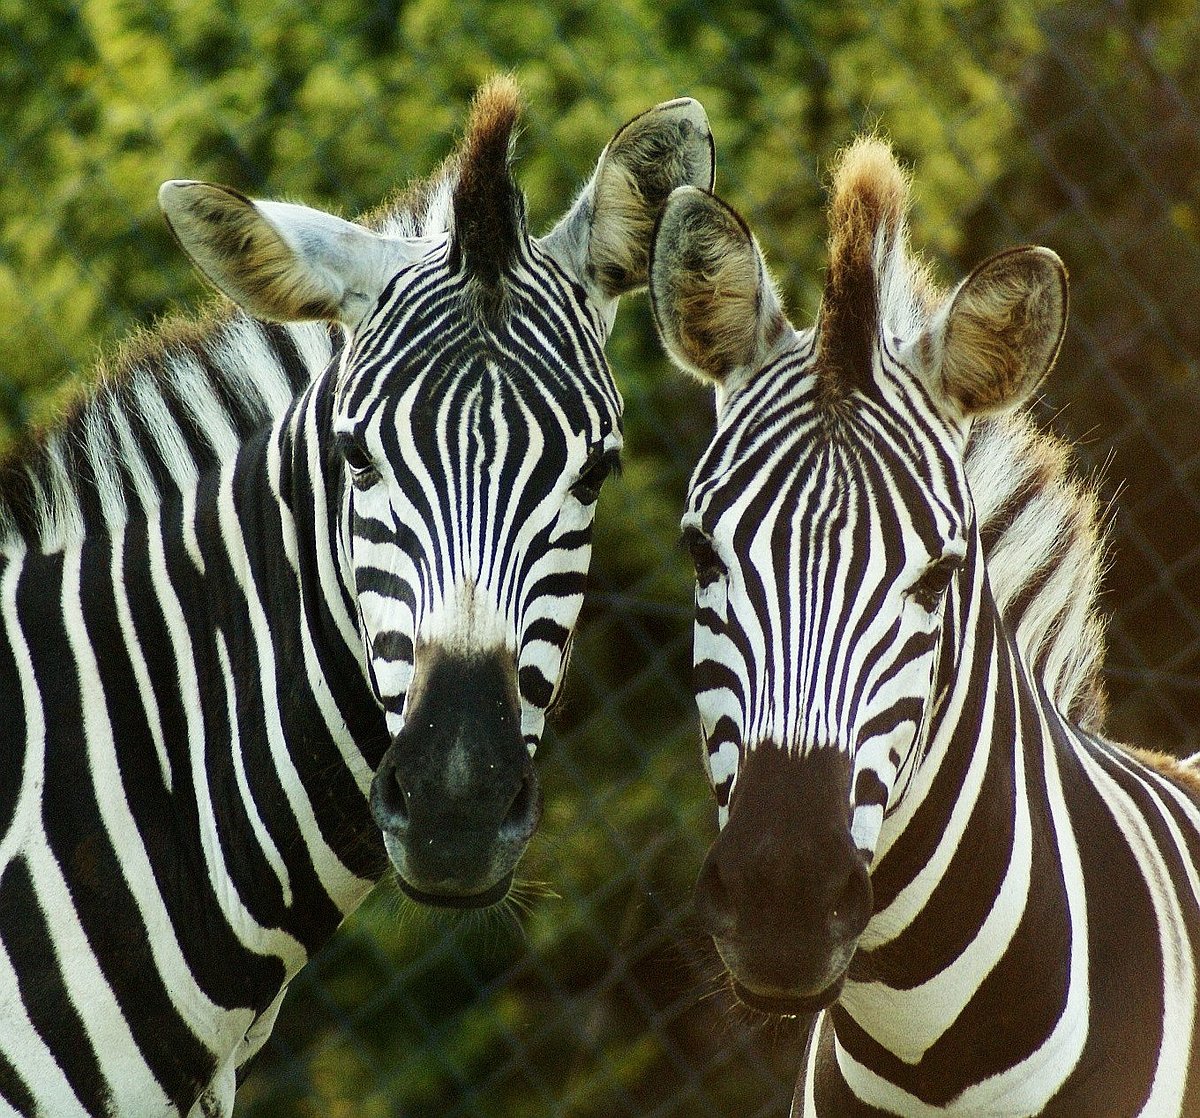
[(714, 302), (280, 261), (988, 349), (604, 239)]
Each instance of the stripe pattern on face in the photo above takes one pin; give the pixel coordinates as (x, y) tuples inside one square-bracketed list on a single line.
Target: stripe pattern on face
[(469, 528), (818, 546), (925, 836)]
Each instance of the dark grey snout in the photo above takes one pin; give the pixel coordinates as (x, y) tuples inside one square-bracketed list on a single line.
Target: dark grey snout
[(783, 891), (456, 796)]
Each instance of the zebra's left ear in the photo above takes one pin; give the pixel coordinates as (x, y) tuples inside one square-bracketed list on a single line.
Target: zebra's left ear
[(281, 261), (994, 341), (604, 239), (715, 304)]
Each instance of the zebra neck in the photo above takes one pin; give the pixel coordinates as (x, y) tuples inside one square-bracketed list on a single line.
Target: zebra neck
[(962, 919), (287, 791)]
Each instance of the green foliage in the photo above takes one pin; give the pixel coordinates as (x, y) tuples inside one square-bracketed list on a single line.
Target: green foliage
[(339, 104), (596, 1004)]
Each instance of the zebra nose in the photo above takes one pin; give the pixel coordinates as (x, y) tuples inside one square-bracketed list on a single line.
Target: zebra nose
[(389, 798), (524, 812), (758, 889)]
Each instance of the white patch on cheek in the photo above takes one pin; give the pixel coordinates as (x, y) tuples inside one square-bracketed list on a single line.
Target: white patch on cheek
[(723, 763), (395, 722), (573, 517), (865, 826), (533, 723), (715, 597), (545, 656), (392, 676)]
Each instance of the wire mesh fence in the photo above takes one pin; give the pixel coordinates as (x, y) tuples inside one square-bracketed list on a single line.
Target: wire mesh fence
[(1075, 125)]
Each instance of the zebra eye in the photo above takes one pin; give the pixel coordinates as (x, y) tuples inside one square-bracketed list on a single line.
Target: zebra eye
[(705, 559), (363, 470), (927, 591), (600, 465)]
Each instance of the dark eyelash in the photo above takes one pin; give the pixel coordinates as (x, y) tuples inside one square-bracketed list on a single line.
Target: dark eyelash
[(601, 465), (705, 560), (362, 467), (927, 591)]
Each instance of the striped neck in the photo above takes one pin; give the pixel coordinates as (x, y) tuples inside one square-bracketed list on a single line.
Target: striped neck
[(964, 917)]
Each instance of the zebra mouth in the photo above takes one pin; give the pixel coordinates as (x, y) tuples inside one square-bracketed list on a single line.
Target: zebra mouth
[(488, 897), (789, 1005)]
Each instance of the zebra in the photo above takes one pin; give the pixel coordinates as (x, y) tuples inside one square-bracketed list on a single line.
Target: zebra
[(285, 599), (925, 840)]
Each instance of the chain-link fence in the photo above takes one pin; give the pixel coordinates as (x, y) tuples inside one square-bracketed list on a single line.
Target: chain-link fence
[(1075, 124)]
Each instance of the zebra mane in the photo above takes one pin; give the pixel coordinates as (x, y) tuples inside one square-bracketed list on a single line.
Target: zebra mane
[(171, 403), (183, 397), (872, 278), (472, 196), (1044, 548)]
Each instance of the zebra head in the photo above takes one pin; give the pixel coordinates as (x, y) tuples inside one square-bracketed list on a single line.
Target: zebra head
[(471, 425), (831, 529)]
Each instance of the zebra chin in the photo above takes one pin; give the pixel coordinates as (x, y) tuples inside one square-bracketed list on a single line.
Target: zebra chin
[(766, 990), (788, 1005)]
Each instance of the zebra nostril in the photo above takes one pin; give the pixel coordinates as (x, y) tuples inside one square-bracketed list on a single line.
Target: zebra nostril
[(400, 804), (524, 811), (852, 906), (389, 799)]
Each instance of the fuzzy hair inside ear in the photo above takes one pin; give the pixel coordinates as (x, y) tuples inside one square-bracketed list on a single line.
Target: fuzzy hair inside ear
[(280, 261), (714, 303), (989, 349), (604, 239)]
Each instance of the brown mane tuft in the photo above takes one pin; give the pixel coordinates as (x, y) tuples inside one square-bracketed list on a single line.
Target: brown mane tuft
[(489, 210), (869, 197)]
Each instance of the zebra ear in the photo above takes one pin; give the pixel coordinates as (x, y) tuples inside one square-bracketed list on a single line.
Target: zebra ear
[(714, 302), (604, 239), (999, 335), (278, 260)]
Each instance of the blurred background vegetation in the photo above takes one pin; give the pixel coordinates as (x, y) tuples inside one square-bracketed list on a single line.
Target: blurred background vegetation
[(1072, 124)]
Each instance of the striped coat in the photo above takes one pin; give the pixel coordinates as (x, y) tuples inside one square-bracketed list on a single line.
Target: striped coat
[(925, 838), (283, 604)]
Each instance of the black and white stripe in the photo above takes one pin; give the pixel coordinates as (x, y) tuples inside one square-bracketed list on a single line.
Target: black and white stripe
[(926, 840), (220, 576)]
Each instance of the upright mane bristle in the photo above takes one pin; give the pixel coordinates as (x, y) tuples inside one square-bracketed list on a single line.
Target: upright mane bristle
[(870, 193), (1044, 547), (867, 257), (489, 218)]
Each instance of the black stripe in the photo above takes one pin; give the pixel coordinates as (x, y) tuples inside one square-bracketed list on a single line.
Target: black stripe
[(15, 1091), (45, 997)]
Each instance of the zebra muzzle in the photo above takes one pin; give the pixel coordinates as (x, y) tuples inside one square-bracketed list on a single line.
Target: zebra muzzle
[(456, 797), (784, 892)]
